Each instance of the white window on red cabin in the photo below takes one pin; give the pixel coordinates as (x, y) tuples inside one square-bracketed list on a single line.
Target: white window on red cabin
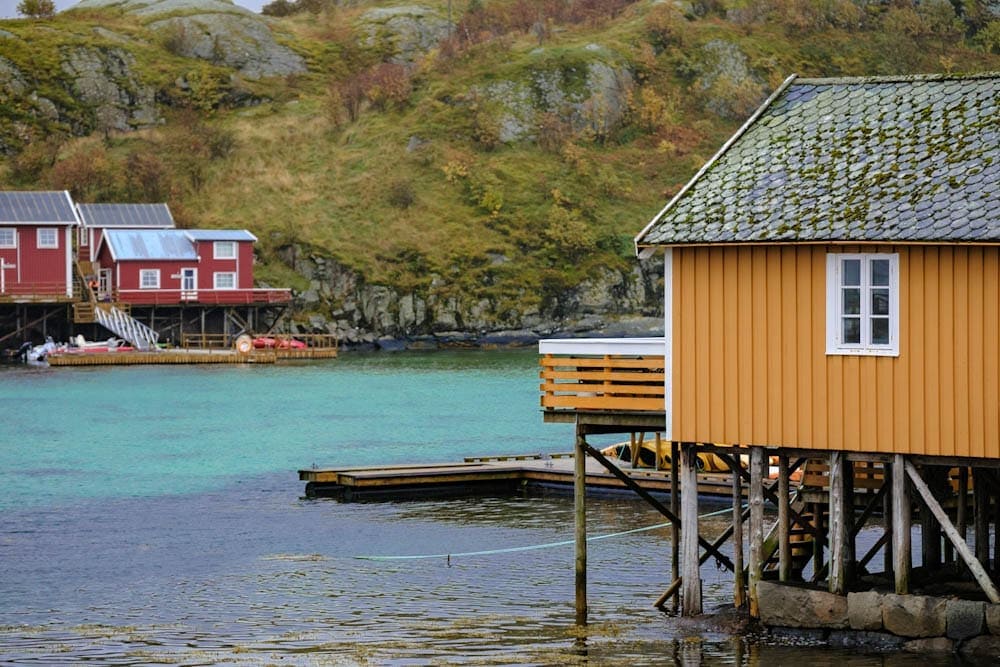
[(862, 311), (224, 250), (8, 237), (225, 280), (149, 279), (82, 237), (48, 237)]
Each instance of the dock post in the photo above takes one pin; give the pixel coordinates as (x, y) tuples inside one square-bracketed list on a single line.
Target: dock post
[(838, 525), (784, 544), (691, 588), (675, 508), (756, 565), (901, 559), (739, 582), (580, 513)]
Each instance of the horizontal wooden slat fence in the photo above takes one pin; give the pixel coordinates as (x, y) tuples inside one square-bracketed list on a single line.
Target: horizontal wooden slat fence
[(605, 382)]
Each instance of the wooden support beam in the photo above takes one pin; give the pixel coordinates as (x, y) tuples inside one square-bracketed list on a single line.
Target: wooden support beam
[(784, 544), (580, 514), (739, 581), (675, 507), (795, 517), (720, 558), (901, 558), (879, 543), (961, 511), (978, 573), (669, 593), (756, 565), (838, 526), (981, 519), (887, 561), (690, 570)]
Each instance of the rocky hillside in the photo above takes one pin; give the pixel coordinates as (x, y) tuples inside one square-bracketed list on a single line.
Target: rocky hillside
[(476, 177)]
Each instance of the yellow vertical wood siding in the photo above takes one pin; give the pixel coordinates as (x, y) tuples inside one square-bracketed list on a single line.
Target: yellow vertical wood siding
[(750, 362)]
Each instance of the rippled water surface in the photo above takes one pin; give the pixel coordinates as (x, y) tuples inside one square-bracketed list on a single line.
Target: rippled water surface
[(154, 516)]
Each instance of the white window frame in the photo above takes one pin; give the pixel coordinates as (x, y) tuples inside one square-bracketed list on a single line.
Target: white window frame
[(218, 274), (219, 253), (13, 237), (835, 310), (54, 244), (143, 273), (83, 237)]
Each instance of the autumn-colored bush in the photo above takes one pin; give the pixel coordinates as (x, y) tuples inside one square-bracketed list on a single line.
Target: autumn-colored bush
[(88, 173), (147, 178)]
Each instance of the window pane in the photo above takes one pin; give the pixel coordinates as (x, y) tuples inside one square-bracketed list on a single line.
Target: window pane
[(880, 302), (880, 331), (880, 272), (852, 330), (852, 301), (850, 272)]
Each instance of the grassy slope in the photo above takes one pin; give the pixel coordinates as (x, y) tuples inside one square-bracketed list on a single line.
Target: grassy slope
[(297, 175)]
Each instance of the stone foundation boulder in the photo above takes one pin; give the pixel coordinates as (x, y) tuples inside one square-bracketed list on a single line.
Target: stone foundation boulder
[(914, 615), (932, 645), (965, 618), (864, 610), (795, 607), (983, 646), (993, 618)]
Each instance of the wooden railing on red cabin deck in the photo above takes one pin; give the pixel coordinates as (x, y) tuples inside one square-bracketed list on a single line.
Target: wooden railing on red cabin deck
[(163, 297), (620, 375), (38, 291)]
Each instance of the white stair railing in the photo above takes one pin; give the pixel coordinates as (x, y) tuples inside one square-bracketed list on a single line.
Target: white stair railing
[(127, 327)]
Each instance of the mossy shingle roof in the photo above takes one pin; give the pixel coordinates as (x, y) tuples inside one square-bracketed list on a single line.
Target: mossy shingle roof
[(905, 159)]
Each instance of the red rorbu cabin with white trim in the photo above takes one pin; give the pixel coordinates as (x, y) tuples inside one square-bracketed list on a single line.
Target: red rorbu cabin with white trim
[(95, 219), (36, 246), (174, 267)]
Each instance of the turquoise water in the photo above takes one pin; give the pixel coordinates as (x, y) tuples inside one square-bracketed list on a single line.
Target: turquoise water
[(153, 515)]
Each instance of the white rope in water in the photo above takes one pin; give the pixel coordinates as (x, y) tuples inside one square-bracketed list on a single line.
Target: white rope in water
[(532, 547)]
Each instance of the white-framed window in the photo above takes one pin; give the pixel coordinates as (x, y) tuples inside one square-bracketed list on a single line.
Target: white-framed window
[(48, 237), (224, 250), (8, 237), (83, 236), (224, 280), (862, 304), (149, 279)]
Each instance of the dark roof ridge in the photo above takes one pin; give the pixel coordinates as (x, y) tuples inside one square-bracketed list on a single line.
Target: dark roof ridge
[(896, 78)]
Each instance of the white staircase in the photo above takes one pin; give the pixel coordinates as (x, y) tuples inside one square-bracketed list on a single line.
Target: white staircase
[(125, 326)]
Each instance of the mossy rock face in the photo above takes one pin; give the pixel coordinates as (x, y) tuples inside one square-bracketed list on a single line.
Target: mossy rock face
[(103, 79), (213, 30), (403, 34)]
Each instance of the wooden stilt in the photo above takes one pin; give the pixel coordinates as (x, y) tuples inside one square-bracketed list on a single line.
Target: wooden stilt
[(961, 509), (580, 513), (691, 572), (784, 545), (756, 565), (818, 540), (981, 525), (901, 560), (675, 507), (887, 520), (980, 574), (739, 584), (838, 529), (659, 443)]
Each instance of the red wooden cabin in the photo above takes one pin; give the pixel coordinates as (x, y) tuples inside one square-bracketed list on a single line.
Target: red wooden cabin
[(36, 246), (178, 266), (95, 219)]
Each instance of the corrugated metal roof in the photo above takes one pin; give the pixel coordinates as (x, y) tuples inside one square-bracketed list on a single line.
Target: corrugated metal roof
[(40, 207), (902, 159), (147, 216), (220, 235), (165, 244)]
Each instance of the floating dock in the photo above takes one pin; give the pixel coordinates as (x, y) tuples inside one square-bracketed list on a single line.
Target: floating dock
[(529, 473), (188, 356)]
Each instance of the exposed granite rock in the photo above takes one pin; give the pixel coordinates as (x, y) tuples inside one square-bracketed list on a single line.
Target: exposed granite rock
[(405, 33), (798, 607), (725, 81), (214, 30), (932, 645), (103, 78), (341, 302), (984, 646), (993, 618), (12, 81), (864, 610), (914, 615), (244, 43), (590, 94), (965, 618)]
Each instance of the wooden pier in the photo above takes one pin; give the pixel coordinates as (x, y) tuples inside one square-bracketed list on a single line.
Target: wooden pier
[(529, 473), (188, 356)]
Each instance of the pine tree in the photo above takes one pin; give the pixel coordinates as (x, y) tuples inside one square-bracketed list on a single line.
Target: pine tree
[(37, 8)]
